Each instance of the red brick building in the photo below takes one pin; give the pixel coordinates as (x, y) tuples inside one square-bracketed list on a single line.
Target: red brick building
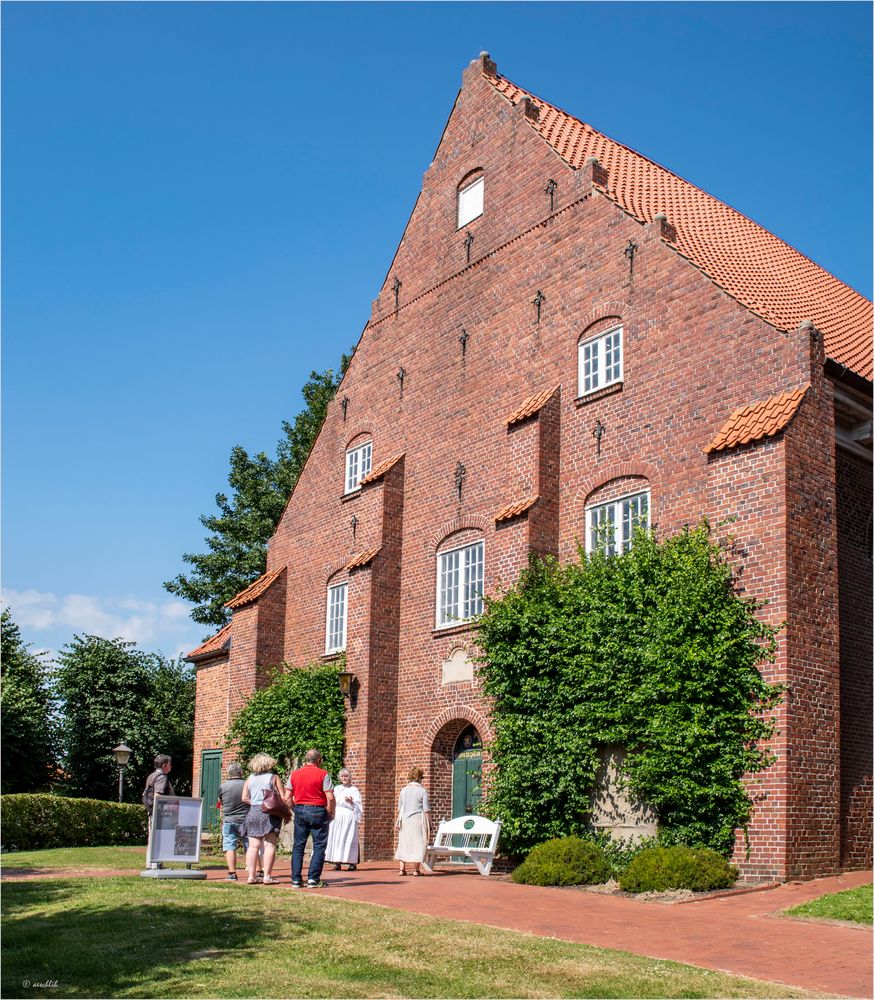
[(572, 340)]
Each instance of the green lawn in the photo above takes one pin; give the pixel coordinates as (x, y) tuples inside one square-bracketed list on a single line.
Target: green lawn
[(132, 859), (852, 904), (132, 937)]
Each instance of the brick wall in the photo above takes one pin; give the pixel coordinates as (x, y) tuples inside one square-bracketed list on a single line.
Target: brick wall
[(692, 355)]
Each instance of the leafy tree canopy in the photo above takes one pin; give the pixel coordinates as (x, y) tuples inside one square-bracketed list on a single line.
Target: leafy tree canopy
[(110, 693), (28, 737), (298, 710), (653, 650), (247, 516)]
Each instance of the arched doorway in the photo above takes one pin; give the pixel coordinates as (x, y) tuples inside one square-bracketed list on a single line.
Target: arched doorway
[(467, 772)]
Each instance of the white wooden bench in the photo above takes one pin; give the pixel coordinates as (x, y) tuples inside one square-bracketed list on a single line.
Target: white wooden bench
[(472, 837)]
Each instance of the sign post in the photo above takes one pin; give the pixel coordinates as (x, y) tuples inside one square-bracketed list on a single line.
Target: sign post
[(174, 835)]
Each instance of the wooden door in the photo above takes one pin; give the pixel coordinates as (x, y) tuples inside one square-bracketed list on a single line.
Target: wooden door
[(210, 779)]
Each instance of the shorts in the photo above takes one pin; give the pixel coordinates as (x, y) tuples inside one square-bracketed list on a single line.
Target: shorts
[(231, 834)]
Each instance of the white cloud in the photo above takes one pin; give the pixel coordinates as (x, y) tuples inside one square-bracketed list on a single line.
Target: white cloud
[(151, 624)]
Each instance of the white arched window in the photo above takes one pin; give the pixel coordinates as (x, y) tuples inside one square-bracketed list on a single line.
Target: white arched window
[(358, 464), (470, 201), (610, 526), (600, 361), (460, 574), (335, 618)]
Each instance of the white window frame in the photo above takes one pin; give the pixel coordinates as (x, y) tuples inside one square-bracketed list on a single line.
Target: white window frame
[(335, 623), (445, 617), (359, 462), (605, 369), (465, 196), (617, 513)]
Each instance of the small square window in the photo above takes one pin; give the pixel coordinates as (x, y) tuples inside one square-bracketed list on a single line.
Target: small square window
[(610, 526), (470, 202), (460, 584), (335, 624), (358, 462), (600, 361)]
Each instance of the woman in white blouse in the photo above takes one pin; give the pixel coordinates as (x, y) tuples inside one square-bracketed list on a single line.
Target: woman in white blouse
[(343, 832), (412, 823)]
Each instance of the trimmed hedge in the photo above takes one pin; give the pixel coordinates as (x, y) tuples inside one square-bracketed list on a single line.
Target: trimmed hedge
[(661, 868), (564, 861), (34, 822)]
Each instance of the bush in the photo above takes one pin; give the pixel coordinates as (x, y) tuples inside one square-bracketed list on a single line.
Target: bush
[(34, 822), (564, 861), (661, 868), (619, 852)]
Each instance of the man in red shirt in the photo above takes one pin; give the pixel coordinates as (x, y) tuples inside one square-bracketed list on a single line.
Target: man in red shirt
[(311, 795)]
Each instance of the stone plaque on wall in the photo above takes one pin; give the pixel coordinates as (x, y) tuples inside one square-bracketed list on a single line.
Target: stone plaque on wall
[(614, 809), (457, 668)]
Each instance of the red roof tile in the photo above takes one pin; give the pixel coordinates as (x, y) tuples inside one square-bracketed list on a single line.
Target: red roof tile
[(515, 509), (217, 643), (362, 559), (380, 470), (768, 276), (254, 590), (758, 420), (531, 405)]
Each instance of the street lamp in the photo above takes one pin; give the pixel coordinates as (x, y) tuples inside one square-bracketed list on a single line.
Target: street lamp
[(122, 756)]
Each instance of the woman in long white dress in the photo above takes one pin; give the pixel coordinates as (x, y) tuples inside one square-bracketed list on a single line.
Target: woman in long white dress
[(342, 846), (412, 824)]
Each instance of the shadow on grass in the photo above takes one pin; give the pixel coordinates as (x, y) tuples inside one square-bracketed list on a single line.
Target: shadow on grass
[(121, 937)]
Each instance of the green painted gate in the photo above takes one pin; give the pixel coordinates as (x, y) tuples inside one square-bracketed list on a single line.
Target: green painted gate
[(210, 779)]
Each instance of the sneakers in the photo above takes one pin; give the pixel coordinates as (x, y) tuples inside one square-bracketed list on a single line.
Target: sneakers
[(296, 883), (231, 877), (313, 884)]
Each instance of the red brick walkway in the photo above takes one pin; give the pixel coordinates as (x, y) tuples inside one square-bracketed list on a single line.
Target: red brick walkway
[(740, 934)]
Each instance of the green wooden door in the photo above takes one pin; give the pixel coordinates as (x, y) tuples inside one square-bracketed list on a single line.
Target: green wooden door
[(210, 779), (467, 773)]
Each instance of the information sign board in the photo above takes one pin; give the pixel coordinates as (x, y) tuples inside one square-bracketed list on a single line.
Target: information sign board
[(174, 834)]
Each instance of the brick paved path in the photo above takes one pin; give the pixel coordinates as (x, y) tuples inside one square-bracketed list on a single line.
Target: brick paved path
[(739, 934)]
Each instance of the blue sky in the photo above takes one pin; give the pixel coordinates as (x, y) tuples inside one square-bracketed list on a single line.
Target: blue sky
[(200, 202)]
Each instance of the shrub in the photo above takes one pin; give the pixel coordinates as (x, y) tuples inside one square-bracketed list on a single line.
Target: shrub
[(564, 861), (659, 868), (619, 852), (34, 822)]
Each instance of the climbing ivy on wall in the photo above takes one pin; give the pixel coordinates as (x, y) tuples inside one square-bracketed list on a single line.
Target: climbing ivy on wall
[(654, 650), (299, 709)]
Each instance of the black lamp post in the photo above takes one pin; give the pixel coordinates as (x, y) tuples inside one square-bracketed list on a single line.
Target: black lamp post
[(122, 756)]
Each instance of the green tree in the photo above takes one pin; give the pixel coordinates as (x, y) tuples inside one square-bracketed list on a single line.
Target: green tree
[(259, 489), (299, 709), (110, 692), (29, 741), (653, 650)]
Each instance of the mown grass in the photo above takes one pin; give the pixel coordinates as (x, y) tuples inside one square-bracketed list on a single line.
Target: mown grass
[(131, 859), (131, 937), (852, 904)]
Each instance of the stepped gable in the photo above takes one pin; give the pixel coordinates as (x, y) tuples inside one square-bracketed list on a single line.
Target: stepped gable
[(254, 590), (218, 643), (769, 277), (758, 420)]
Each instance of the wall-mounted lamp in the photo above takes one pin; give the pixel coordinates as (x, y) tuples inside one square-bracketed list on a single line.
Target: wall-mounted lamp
[(346, 678)]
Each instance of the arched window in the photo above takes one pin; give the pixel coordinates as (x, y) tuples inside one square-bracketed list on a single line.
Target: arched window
[(470, 199), (610, 526), (460, 575), (600, 360), (358, 464), (335, 618)]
